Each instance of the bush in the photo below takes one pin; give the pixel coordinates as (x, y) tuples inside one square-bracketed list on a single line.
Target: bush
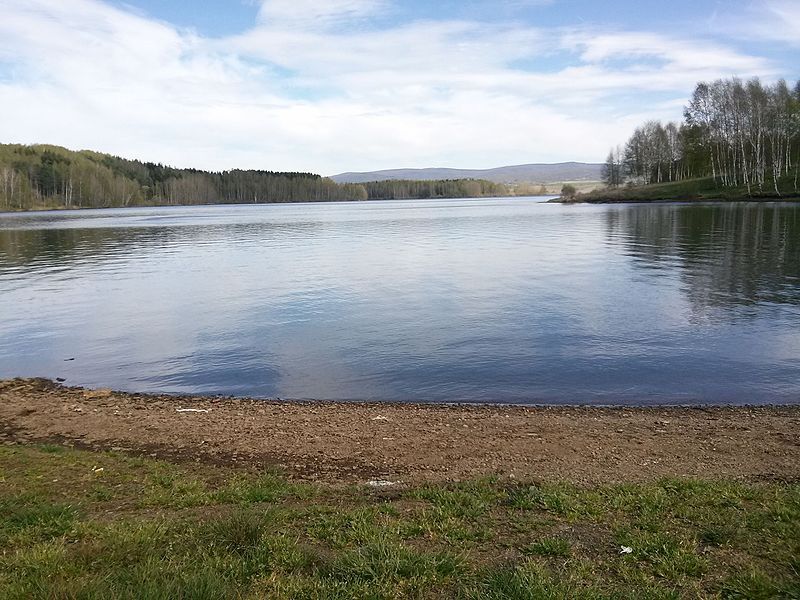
[(568, 192)]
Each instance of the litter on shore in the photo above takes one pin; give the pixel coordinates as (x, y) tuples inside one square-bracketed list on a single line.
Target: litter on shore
[(382, 483)]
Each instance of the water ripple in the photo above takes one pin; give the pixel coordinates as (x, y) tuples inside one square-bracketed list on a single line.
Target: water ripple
[(501, 300)]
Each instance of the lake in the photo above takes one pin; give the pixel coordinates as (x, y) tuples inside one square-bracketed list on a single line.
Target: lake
[(490, 300)]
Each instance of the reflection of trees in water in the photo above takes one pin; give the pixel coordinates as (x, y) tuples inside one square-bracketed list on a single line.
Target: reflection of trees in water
[(735, 254), (49, 248)]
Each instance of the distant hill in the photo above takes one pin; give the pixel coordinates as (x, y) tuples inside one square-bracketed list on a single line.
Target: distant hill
[(533, 173)]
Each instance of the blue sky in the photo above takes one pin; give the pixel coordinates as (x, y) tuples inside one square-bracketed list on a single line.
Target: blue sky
[(341, 85)]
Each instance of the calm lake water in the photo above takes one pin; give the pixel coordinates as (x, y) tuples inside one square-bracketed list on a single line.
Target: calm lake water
[(507, 300)]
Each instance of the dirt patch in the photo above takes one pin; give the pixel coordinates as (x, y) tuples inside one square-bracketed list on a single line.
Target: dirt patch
[(411, 443)]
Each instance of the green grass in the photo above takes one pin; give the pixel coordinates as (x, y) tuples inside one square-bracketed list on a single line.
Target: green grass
[(549, 547), (690, 189), (76, 524)]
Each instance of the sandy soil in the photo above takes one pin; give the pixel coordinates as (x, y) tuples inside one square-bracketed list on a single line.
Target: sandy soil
[(412, 443)]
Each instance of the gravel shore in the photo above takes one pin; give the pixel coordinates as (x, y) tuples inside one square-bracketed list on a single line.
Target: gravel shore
[(412, 443)]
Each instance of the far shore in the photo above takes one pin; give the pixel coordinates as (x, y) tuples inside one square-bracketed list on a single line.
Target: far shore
[(231, 204), (678, 200), (36, 209), (590, 198), (412, 443), (698, 191)]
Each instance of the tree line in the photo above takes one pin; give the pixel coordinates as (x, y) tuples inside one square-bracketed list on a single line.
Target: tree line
[(445, 188), (53, 177), (741, 134)]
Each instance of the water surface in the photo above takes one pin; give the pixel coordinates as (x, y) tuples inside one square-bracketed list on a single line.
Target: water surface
[(506, 300)]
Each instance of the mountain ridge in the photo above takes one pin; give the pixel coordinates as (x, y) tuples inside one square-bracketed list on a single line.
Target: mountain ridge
[(511, 174)]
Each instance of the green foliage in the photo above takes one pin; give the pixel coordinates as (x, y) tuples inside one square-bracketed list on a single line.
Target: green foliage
[(530, 581), (685, 190), (159, 530), (239, 533), (34, 177), (28, 518), (743, 135), (754, 584), (451, 188), (267, 487), (52, 177), (559, 499), (568, 192), (549, 547), (392, 564)]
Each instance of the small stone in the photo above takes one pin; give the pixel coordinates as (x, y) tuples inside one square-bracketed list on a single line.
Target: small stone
[(101, 393)]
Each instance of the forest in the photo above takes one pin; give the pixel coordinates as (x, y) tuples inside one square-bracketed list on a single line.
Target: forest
[(41, 176), (741, 134), (451, 188)]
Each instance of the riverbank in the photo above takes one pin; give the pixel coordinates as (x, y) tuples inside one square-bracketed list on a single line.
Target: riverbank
[(410, 443), (150, 497), (692, 190)]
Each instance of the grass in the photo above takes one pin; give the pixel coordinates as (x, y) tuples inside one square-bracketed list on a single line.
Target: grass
[(690, 189), (549, 547), (76, 524)]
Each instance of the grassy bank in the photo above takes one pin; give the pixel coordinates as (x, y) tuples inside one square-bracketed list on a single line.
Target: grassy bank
[(704, 189), (77, 524)]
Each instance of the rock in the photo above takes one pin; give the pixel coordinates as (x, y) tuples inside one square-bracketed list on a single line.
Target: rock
[(94, 394)]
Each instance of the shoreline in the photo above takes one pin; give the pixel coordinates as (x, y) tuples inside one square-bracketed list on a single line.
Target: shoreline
[(751, 200), (22, 211), (412, 443), (684, 201), (698, 190), (679, 200)]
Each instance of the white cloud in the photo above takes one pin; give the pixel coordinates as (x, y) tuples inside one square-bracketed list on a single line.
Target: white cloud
[(672, 50), (294, 92), (315, 13), (780, 21), (766, 21)]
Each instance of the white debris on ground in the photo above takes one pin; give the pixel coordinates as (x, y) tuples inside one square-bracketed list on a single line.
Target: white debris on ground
[(380, 418), (192, 410), (625, 550), (381, 483)]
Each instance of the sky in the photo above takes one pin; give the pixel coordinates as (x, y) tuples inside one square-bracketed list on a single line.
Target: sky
[(359, 85)]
